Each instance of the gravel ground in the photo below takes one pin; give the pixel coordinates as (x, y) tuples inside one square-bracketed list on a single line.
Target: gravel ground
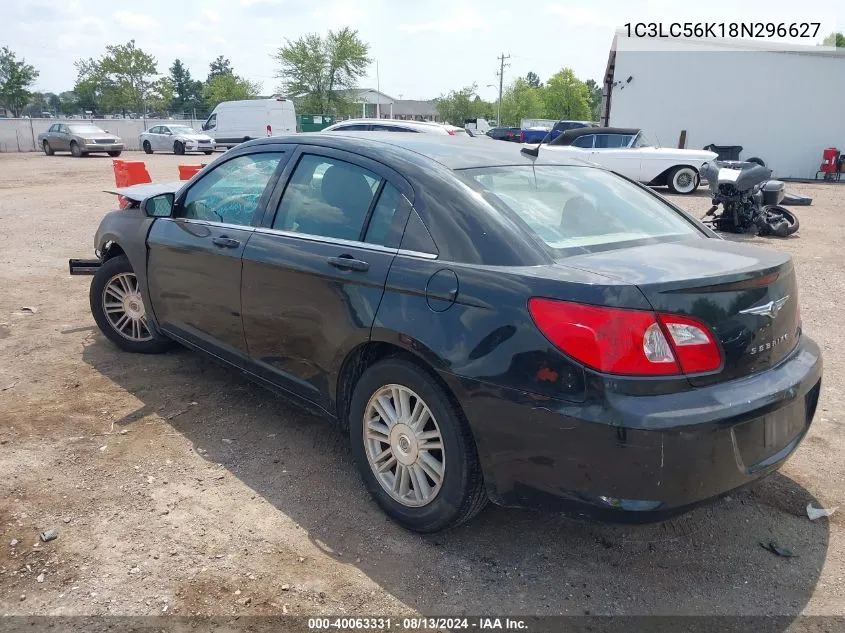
[(178, 487)]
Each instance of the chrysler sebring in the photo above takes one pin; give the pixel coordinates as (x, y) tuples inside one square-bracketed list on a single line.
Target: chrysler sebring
[(485, 324)]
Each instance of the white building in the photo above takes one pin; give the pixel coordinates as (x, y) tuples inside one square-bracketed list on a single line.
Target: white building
[(781, 103)]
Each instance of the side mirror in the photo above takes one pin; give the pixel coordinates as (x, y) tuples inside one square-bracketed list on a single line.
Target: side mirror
[(205, 126), (160, 206)]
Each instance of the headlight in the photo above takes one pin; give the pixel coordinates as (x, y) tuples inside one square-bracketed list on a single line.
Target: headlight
[(89, 140)]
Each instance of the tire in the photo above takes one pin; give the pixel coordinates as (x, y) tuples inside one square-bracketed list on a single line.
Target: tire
[(784, 225), (75, 150), (683, 180), (756, 160), (207, 152), (47, 149), (460, 494), (115, 153), (178, 148), (148, 149), (153, 342)]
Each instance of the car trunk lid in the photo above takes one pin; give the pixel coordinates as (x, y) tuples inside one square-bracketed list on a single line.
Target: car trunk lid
[(748, 296)]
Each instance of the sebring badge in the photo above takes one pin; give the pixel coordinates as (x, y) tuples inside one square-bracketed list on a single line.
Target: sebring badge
[(769, 309)]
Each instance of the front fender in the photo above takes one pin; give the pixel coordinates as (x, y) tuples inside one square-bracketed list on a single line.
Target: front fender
[(128, 229)]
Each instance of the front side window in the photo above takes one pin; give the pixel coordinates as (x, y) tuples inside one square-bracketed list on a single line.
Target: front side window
[(327, 197), (211, 123), (581, 209), (231, 192), (612, 141), (155, 130)]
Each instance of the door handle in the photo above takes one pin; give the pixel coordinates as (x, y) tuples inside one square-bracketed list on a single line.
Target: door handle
[(347, 262), (225, 242)]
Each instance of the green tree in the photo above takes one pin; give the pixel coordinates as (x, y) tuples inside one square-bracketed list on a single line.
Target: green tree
[(566, 97), (595, 99), (131, 72), (533, 80), (229, 87), (187, 92), (69, 102), (15, 79), (457, 106), (220, 66), (835, 39), (521, 101), (321, 67), (161, 95), (93, 88)]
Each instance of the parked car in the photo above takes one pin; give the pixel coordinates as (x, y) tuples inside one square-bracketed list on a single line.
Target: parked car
[(535, 330), (629, 152), (175, 138), (386, 125), (478, 126), (504, 133), (543, 134), (79, 139), (234, 122)]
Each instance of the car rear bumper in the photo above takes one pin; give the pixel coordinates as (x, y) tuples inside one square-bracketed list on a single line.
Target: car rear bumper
[(641, 458)]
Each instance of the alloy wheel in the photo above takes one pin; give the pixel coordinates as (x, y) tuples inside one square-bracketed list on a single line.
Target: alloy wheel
[(124, 308), (404, 445)]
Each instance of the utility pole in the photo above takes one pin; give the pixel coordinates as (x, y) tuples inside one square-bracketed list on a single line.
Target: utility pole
[(501, 74), (378, 92)]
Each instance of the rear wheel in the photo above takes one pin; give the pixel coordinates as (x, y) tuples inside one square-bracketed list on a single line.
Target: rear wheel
[(178, 148), (413, 448), (114, 153), (779, 221), (47, 149), (148, 149), (75, 150), (683, 179), (118, 308), (206, 152)]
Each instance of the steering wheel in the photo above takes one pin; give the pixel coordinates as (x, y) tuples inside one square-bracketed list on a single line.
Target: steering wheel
[(236, 208)]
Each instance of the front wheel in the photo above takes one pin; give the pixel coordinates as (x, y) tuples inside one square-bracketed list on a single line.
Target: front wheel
[(115, 153), (178, 148), (47, 149), (207, 152), (148, 149), (118, 308), (414, 450), (75, 150), (683, 180)]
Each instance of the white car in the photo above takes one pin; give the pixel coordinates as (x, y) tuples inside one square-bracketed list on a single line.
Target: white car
[(390, 125), (628, 152), (177, 139)]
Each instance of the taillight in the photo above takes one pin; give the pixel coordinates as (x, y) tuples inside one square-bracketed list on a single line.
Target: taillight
[(622, 341), (522, 137), (450, 132)]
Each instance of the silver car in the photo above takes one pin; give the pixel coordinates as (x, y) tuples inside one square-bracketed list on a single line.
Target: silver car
[(79, 139), (177, 139), (388, 125)]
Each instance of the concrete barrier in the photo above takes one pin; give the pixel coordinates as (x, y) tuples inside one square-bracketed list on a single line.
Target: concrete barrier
[(21, 135)]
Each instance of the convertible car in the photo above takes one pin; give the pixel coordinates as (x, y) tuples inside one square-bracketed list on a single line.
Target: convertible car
[(627, 151), (482, 323)]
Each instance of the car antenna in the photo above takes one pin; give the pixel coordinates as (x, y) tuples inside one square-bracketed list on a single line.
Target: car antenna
[(531, 151)]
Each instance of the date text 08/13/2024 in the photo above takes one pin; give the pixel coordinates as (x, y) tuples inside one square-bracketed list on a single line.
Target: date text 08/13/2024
[(751, 30)]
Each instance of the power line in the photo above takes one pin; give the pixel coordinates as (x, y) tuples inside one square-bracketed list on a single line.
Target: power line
[(501, 75)]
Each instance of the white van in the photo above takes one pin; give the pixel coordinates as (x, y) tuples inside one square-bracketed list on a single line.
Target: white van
[(234, 122), (482, 126)]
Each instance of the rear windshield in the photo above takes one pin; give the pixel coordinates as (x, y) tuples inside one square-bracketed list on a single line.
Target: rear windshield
[(582, 208)]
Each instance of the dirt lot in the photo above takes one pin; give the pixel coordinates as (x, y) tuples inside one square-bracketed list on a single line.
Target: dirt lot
[(179, 487)]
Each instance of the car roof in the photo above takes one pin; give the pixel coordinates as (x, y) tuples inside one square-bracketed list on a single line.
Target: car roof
[(388, 122), (449, 151), (566, 137)]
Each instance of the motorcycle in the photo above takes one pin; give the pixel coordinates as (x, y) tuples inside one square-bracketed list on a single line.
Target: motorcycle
[(749, 199)]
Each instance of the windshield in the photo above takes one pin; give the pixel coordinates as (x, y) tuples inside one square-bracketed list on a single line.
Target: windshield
[(643, 140), (582, 208), (85, 129), (182, 129)]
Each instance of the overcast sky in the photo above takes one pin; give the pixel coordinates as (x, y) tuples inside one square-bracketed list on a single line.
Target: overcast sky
[(424, 48)]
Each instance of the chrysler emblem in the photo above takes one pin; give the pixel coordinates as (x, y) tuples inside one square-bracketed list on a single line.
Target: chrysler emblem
[(769, 309)]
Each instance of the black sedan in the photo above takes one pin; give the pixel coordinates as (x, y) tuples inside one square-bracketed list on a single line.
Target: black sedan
[(484, 323)]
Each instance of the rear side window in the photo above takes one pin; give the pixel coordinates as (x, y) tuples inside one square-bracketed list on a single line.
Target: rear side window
[(416, 237), (388, 218), (327, 197), (352, 127), (581, 208), (585, 141), (612, 141)]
